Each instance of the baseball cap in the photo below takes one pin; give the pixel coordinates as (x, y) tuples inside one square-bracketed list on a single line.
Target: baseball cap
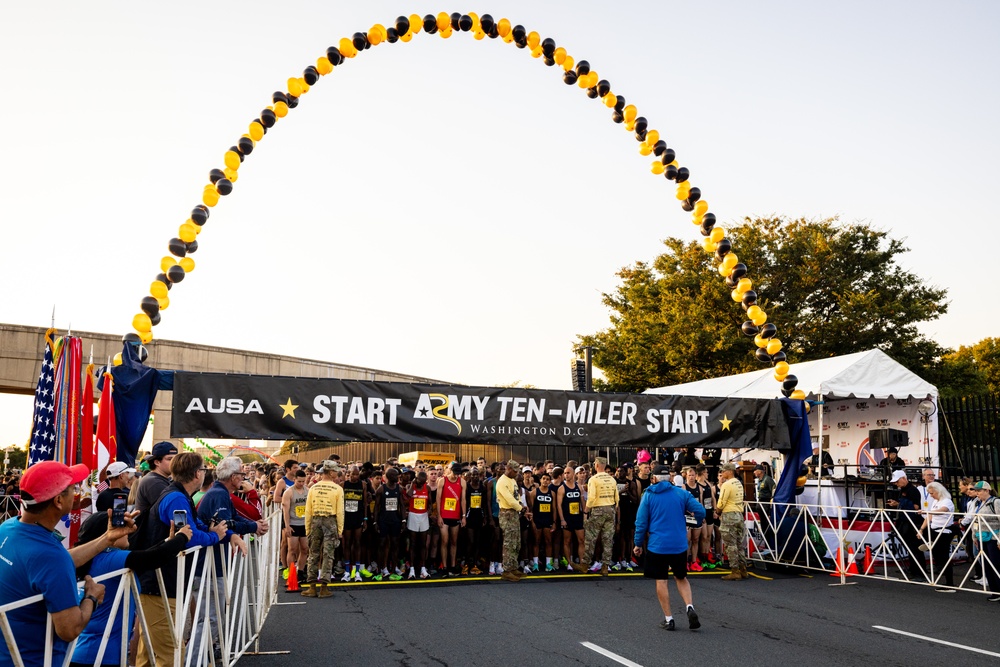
[(581, 469), (758, 467), (46, 480), (899, 474), (661, 470), (978, 486), (526, 469), (162, 449), (731, 467), (118, 467), (330, 466)]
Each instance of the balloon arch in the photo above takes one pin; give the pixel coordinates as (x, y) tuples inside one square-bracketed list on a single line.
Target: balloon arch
[(175, 266)]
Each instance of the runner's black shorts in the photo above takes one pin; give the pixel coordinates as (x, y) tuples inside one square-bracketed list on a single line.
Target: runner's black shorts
[(298, 531), (659, 566)]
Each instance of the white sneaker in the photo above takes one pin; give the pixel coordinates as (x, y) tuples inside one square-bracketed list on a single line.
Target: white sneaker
[(346, 577), (423, 573), (493, 569), (569, 567), (596, 567), (385, 572), (412, 574), (527, 569), (978, 582), (357, 575)]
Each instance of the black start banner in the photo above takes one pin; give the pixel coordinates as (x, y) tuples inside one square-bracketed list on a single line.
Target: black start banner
[(283, 408)]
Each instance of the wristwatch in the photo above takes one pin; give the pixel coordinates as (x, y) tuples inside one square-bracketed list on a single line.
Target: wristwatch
[(92, 599)]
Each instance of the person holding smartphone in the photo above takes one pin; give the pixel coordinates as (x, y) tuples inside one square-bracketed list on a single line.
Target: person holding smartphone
[(119, 479)]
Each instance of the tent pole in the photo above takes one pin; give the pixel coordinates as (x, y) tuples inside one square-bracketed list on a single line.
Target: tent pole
[(819, 466)]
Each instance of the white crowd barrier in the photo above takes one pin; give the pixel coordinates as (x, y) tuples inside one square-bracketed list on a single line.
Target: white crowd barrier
[(871, 543), (243, 592)]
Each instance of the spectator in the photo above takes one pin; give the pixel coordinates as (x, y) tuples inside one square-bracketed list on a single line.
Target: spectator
[(151, 486), (908, 503), (206, 484), (33, 563), (187, 470), (938, 519), (660, 528), (293, 511), (988, 529), (119, 478)]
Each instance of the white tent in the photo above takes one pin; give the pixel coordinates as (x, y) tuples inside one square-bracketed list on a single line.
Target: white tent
[(856, 393)]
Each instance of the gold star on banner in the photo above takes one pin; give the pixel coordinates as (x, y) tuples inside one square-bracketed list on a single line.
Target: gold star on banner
[(288, 409), (725, 421)]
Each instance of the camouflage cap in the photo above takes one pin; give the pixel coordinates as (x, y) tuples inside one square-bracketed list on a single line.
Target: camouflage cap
[(731, 467), (603, 460), (513, 464), (330, 466)]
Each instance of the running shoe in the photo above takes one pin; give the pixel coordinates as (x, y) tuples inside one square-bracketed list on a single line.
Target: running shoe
[(629, 566), (284, 574), (693, 621), (563, 562), (534, 567), (357, 576), (385, 572), (395, 577), (475, 570), (346, 577), (667, 625), (549, 567), (377, 577), (412, 574), (423, 573), (634, 563), (993, 598), (527, 569), (493, 569), (617, 567), (465, 568), (979, 582), (569, 567), (711, 558), (364, 572), (694, 566), (595, 568)]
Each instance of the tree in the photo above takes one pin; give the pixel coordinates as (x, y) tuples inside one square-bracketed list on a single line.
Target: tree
[(971, 370), (292, 447), (830, 288)]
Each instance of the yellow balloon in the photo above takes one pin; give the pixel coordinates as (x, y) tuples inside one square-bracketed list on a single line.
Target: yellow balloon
[(157, 290), (479, 35), (567, 64), (652, 136), (141, 322), (736, 296), (509, 38), (629, 113), (760, 319), (164, 302), (117, 359), (210, 198), (534, 39), (503, 27), (233, 176), (781, 368), (779, 376), (683, 190), (697, 219), (559, 55), (145, 336), (658, 167), (629, 125), (167, 262), (323, 66), (592, 79), (186, 233), (644, 149), (346, 47), (406, 38), (232, 159), (536, 52), (417, 22), (701, 207), (375, 35), (583, 81), (294, 88), (725, 271), (717, 234), (759, 341), (730, 260), (744, 285), (303, 85), (752, 312), (799, 395), (256, 131), (187, 264), (444, 21), (773, 346), (808, 407), (708, 244), (610, 100), (446, 33)]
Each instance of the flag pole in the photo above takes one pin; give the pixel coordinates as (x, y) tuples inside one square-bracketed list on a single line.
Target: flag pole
[(52, 324)]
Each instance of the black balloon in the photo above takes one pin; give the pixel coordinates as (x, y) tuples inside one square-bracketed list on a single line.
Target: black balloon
[(292, 103), (245, 144), (659, 147), (705, 231), (668, 156), (368, 44), (191, 247), (279, 96), (402, 25), (768, 330), (391, 35), (640, 127), (617, 117), (687, 205), (131, 338), (670, 172), (143, 352), (730, 282), (311, 74), (569, 77), (492, 33), (177, 247), (583, 68), (549, 62), (787, 393), (455, 18), (619, 103), (739, 271), (236, 149), (465, 23), (749, 298), (762, 355), (603, 87), (723, 248), (430, 24), (224, 186), (154, 319), (487, 23), (199, 214), (548, 46), (749, 329), (162, 277), (694, 195), (150, 305), (592, 93), (709, 219), (359, 39), (778, 356), (267, 118), (175, 274), (334, 55), (789, 382), (520, 34), (682, 174)]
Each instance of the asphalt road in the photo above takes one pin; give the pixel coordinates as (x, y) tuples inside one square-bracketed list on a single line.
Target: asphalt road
[(547, 621)]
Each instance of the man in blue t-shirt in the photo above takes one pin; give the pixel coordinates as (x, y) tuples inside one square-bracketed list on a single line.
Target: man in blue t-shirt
[(34, 562)]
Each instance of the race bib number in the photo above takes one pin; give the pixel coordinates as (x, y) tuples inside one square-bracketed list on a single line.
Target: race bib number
[(391, 504), (544, 508), (476, 502), (420, 504), (350, 506), (574, 508), (450, 504), (300, 511)]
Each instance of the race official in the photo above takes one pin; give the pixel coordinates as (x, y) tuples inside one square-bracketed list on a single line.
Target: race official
[(508, 497), (730, 512), (661, 529), (602, 510), (324, 527)]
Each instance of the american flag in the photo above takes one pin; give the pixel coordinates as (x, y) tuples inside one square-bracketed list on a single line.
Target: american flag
[(43, 426)]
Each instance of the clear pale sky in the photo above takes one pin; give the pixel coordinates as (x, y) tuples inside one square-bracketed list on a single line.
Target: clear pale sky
[(450, 208)]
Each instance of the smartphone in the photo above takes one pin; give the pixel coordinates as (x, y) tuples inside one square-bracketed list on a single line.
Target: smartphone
[(180, 518), (118, 511)]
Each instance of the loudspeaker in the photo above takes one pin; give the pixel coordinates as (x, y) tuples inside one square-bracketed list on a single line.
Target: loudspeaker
[(884, 438)]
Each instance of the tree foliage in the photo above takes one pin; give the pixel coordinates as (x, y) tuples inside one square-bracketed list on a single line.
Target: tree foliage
[(830, 288), (292, 447), (973, 369)]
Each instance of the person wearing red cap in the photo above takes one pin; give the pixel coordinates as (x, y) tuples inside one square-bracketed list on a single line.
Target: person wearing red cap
[(32, 562)]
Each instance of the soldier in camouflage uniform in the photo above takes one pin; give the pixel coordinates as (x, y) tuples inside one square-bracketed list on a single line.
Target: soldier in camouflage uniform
[(602, 506), (508, 498), (732, 526), (324, 527)]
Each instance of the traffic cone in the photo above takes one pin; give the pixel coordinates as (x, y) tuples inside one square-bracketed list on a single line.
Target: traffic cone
[(751, 548), (852, 569), (868, 564), (292, 586), (836, 565)]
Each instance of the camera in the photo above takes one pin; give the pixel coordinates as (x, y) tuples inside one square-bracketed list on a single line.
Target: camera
[(118, 507)]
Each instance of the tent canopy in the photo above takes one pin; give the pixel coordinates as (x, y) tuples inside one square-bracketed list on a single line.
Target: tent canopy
[(871, 374)]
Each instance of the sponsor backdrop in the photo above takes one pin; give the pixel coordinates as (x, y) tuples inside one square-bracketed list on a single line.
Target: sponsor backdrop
[(281, 408), (846, 424)]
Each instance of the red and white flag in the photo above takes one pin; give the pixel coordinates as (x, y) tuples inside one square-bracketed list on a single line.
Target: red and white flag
[(107, 448)]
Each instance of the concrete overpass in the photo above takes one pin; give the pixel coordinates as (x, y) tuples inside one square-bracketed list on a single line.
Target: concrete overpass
[(21, 349)]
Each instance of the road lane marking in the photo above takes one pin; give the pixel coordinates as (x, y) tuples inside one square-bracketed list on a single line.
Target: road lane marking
[(608, 654), (937, 641)]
